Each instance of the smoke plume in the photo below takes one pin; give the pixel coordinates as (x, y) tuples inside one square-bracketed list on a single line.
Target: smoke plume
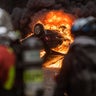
[(22, 18)]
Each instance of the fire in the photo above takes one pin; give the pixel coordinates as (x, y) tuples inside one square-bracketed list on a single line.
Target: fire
[(26, 37), (58, 64), (61, 22), (58, 20)]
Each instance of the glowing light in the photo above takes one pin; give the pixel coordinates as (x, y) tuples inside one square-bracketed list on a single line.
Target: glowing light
[(61, 22)]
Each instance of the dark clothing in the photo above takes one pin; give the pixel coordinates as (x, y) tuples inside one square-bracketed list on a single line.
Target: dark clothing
[(19, 83), (79, 65)]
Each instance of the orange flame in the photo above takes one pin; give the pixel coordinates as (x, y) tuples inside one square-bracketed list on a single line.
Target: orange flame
[(62, 22)]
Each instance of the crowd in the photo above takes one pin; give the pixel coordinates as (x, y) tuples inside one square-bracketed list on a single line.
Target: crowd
[(77, 77)]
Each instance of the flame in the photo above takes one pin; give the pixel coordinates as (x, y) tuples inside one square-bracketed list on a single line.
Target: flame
[(57, 64), (42, 53), (29, 35), (62, 22)]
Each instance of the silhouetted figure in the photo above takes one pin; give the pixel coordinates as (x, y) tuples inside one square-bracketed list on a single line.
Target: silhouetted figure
[(77, 76)]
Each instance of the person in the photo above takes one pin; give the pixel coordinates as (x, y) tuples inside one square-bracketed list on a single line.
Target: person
[(77, 75), (7, 55), (50, 38)]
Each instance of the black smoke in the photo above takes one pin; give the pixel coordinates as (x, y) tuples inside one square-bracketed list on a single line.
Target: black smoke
[(22, 17)]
